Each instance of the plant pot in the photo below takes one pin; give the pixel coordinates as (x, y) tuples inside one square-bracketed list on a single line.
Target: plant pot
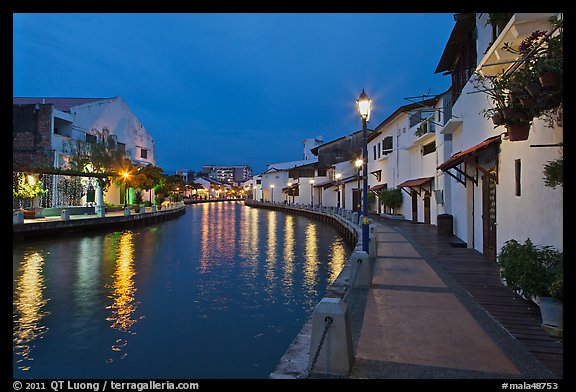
[(518, 132), (498, 119), (552, 312), (534, 88), (550, 81)]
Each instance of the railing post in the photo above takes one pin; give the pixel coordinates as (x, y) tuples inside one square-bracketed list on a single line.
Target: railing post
[(18, 218), (126, 211), (65, 215), (360, 271), (331, 349)]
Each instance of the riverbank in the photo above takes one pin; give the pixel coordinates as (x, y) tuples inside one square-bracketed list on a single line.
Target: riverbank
[(57, 225), (419, 319)]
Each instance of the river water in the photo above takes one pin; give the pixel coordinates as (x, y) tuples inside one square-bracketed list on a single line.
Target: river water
[(219, 292)]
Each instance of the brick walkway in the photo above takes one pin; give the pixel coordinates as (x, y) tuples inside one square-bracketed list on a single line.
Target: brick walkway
[(436, 311)]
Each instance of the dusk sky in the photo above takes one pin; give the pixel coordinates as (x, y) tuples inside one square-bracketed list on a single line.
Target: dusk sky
[(236, 88)]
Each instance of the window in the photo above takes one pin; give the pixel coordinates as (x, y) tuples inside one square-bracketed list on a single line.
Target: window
[(517, 171), (321, 172), (121, 146), (379, 150), (387, 145), (374, 152), (258, 182), (429, 148), (90, 138), (143, 153)]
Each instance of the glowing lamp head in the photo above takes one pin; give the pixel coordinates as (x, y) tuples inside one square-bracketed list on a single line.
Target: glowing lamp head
[(358, 163), (338, 176), (311, 181), (125, 174), (364, 105)]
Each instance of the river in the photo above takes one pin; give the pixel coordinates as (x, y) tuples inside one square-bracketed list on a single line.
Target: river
[(219, 292)]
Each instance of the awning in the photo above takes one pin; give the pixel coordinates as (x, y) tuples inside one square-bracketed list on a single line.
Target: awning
[(467, 157), (417, 184), (291, 190), (378, 187)]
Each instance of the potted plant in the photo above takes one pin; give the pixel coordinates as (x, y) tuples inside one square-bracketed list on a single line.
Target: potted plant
[(27, 188), (535, 272)]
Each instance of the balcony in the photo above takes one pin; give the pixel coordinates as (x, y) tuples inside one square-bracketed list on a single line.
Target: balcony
[(521, 25)]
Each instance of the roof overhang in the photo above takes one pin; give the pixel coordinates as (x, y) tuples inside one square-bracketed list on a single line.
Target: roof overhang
[(417, 185), (468, 157), (464, 24), (378, 187)]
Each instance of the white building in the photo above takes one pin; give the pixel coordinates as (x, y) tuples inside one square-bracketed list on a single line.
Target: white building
[(76, 119), (404, 152)]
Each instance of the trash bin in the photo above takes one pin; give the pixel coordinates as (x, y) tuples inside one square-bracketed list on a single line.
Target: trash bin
[(445, 224)]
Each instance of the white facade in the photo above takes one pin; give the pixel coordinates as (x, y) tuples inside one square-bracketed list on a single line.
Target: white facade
[(535, 213)]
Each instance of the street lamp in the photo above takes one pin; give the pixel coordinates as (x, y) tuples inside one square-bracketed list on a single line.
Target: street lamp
[(358, 163), (125, 175), (364, 105), (272, 189), (312, 193), (338, 176), (290, 191)]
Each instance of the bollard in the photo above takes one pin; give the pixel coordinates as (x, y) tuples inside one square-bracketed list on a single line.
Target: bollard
[(331, 349), (153, 207), (360, 271), (18, 218), (126, 211), (65, 215), (355, 217), (349, 215), (100, 211), (372, 244)]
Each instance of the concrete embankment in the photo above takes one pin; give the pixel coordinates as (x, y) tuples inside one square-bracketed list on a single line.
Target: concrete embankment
[(80, 223)]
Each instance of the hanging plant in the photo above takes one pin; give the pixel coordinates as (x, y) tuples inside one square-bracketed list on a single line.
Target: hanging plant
[(27, 187)]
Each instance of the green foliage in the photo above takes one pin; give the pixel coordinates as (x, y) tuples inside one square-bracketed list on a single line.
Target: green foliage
[(554, 173), (532, 270), (391, 198), (103, 156), (26, 188)]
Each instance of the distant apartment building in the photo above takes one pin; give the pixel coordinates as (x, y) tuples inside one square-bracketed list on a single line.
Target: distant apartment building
[(228, 174)]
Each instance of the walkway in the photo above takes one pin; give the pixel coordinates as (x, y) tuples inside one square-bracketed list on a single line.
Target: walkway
[(437, 311)]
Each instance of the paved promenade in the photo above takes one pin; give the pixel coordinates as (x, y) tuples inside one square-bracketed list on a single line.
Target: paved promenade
[(420, 322)]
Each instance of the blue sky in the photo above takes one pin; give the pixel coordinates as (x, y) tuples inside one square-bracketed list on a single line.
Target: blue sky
[(234, 88)]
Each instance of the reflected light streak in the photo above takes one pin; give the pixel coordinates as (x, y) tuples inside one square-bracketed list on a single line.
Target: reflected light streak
[(28, 308), (204, 242), (289, 245), (311, 262), (123, 289), (271, 248), (337, 259)]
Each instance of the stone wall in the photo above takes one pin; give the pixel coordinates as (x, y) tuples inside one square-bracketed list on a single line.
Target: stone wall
[(31, 133)]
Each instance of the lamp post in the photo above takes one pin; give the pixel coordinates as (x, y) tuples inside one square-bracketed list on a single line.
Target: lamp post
[(312, 193), (358, 163), (338, 176), (364, 103), (125, 175), (272, 190)]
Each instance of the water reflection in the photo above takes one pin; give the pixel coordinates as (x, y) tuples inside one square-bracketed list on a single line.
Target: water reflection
[(289, 245), (29, 303), (271, 249), (123, 289), (311, 261), (337, 259)]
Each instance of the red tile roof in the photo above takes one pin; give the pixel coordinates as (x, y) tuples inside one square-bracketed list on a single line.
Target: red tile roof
[(460, 156), (415, 182), (62, 104)]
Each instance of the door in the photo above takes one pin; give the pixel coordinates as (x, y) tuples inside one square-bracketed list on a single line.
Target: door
[(414, 206), (356, 200), (489, 216), (427, 207)]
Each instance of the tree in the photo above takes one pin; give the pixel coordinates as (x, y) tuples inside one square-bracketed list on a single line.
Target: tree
[(101, 156)]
